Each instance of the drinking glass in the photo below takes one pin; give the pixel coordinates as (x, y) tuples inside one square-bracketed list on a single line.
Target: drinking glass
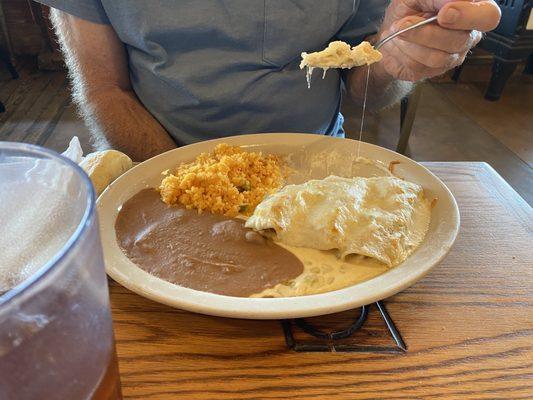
[(56, 333)]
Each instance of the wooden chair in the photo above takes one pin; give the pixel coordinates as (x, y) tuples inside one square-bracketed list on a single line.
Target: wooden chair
[(5, 55), (6, 59), (511, 43), (408, 107)]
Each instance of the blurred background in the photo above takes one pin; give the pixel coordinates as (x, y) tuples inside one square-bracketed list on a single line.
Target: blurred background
[(480, 112)]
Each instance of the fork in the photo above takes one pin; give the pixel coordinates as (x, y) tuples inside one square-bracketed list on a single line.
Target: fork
[(392, 36)]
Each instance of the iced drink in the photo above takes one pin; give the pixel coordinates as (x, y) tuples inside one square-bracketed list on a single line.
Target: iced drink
[(56, 334)]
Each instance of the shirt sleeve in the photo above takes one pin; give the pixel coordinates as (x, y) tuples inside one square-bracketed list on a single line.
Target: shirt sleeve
[(90, 10), (365, 21)]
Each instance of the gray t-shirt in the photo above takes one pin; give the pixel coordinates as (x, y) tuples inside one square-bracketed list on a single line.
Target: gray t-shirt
[(208, 69)]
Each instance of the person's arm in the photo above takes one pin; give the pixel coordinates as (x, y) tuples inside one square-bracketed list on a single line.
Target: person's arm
[(423, 52), (98, 68)]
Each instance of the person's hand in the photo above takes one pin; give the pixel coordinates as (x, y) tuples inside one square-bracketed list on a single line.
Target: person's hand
[(434, 48)]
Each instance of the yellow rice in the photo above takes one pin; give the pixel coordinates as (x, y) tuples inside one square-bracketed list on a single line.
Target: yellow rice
[(226, 181)]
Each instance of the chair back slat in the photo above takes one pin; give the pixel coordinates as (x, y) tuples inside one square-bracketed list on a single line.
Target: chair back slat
[(515, 14)]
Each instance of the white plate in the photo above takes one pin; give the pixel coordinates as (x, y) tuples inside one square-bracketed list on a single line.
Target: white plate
[(317, 156)]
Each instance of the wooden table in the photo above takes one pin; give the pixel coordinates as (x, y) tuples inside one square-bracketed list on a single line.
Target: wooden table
[(468, 326)]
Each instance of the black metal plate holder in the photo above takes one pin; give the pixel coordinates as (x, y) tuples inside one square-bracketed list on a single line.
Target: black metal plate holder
[(329, 340)]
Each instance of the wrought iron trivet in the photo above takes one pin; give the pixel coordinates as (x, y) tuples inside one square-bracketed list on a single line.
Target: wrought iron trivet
[(329, 341)]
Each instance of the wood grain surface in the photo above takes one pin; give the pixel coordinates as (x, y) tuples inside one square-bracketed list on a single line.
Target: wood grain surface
[(468, 326)]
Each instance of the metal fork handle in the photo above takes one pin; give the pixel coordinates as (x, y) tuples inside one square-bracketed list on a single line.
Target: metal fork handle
[(414, 26)]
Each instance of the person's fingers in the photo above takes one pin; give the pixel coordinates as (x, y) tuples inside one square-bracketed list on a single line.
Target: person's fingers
[(428, 6), (436, 37), (402, 66), (429, 57), (431, 50), (466, 15)]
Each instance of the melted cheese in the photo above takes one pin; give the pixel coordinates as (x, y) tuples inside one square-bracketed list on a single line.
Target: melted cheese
[(384, 218), (324, 272)]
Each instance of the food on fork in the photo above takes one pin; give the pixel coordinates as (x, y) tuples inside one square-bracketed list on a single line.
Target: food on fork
[(339, 54)]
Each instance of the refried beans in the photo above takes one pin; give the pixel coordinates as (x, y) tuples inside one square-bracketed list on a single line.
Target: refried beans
[(205, 252)]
